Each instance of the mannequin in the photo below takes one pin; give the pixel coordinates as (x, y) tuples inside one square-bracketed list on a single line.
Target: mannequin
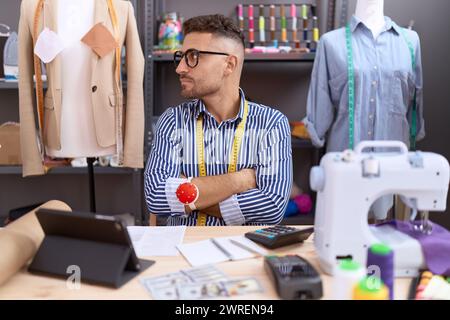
[(83, 113), (386, 103), (371, 12)]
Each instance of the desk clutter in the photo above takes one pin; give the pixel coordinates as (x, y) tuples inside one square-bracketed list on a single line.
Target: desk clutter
[(206, 282), (293, 276), (428, 286)]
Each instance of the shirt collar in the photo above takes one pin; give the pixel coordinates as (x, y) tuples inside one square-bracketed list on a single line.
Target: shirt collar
[(201, 108), (389, 24)]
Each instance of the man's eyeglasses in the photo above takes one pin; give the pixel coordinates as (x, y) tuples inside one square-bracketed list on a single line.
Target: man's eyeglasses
[(192, 56)]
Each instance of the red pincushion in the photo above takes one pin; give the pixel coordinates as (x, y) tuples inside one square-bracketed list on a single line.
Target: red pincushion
[(187, 193)]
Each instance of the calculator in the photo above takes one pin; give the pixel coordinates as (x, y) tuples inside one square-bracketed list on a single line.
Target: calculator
[(294, 277), (279, 236)]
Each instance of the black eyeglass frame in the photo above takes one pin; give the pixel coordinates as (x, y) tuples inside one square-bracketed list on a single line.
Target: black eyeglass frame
[(176, 56)]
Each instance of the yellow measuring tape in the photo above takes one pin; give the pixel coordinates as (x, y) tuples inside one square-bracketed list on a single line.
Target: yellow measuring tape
[(201, 218), (38, 72), (115, 23)]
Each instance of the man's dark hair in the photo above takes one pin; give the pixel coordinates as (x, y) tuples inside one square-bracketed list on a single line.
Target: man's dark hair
[(216, 24)]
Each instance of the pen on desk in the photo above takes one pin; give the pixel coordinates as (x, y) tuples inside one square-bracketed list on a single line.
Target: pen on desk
[(242, 246), (224, 251)]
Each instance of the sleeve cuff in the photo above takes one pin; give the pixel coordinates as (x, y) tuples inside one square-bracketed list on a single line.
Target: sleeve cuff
[(231, 212), (176, 207), (319, 143)]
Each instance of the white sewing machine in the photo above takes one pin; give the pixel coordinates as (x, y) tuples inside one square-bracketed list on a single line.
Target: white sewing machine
[(348, 183)]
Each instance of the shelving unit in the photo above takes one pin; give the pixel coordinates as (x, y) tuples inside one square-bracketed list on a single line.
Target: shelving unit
[(17, 170), (147, 12), (160, 80), (6, 85), (132, 203), (252, 57)]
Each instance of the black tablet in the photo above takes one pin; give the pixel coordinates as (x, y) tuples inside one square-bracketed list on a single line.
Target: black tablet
[(100, 244)]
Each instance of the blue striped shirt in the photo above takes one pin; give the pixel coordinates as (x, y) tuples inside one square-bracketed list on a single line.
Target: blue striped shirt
[(266, 147)]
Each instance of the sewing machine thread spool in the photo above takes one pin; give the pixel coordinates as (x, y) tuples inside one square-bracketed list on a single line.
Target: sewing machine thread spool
[(366, 289), (371, 167), (382, 256), (347, 276)]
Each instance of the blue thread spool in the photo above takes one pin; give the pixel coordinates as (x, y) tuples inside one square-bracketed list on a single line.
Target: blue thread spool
[(291, 209), (382, 256)]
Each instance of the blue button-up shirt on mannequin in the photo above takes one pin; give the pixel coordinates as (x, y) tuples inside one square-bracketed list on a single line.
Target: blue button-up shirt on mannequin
[(384, 87)]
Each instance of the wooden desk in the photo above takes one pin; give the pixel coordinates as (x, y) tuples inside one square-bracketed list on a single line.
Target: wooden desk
[(26, 286)]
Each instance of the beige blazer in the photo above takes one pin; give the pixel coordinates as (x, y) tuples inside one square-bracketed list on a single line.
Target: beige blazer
[(104, 98)]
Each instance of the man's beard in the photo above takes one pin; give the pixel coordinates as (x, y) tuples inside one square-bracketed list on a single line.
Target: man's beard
[(198, 93)]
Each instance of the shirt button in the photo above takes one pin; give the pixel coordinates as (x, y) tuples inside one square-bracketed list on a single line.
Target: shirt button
[(374, 83), (369, 133), (372, 100), (375, 67), (94, 88), (370, 117)]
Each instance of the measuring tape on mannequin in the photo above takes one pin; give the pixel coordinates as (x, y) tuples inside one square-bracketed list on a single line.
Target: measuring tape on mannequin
[(351, 90), (38, 74), (201, 218), (39, 84)]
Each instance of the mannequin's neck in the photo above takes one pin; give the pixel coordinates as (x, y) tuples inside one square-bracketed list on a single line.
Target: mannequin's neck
[(371, 13)]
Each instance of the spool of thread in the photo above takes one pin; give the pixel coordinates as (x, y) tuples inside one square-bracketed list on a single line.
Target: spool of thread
[(250, 11), (283, 25), (316, 34), (262, 25), (366, 289), (381, 256), (293, 11), (251, 26), (304, 203), (240, 10), (304, 11), (272, 23), (308, 44), (291, 209), (313, 11), (294, 22), (347, 275)]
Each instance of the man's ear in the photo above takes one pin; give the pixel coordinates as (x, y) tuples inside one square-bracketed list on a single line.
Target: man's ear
[(232, 63)]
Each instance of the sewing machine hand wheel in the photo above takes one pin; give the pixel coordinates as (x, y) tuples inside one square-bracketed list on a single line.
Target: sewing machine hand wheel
[(381, 144)]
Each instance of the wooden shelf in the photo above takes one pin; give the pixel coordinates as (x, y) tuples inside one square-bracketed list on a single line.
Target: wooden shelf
[(253, 57), (4, 85), (17, 170), (299, 220)]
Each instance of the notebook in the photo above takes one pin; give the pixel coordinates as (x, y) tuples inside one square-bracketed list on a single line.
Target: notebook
[(222, 249)]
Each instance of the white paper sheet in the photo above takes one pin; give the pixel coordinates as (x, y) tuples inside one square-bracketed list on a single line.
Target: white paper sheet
[(156, 241)]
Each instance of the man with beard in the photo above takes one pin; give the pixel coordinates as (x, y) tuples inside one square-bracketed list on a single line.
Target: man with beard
[(218, 159)]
